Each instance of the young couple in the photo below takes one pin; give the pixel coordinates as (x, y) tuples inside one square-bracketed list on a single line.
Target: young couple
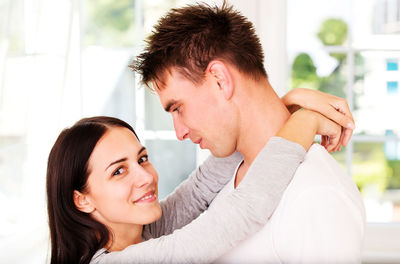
[(260, 197)]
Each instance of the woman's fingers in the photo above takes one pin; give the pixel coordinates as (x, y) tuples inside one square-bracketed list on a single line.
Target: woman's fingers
[(340, 113), (339, 145), (342, 106), (340, 117), (343, 117), (347, 133), (324, 140), (330, 133), (333, 107)]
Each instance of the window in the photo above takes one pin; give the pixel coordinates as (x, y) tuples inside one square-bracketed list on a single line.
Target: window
[(392, 87), (352, 49), (392, 65), (60, 61), (339, 51)]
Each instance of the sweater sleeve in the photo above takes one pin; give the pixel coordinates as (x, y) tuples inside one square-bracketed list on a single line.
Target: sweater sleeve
[(194, 195), (230, 220)]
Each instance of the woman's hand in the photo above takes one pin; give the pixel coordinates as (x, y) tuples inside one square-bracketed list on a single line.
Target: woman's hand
[(303, 125), (333, 107)]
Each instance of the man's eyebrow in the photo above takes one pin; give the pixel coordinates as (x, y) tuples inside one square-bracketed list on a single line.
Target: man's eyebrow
[(124, 159), (169, 105)]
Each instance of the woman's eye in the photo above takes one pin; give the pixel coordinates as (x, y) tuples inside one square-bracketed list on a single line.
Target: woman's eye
[(143, 159), (118, 171), (176, 109)]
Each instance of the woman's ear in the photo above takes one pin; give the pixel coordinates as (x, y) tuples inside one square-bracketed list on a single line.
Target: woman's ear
[(222, 75), (82, 202)]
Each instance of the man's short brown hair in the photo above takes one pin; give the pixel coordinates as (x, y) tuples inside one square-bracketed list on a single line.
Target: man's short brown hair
[(188, 38)]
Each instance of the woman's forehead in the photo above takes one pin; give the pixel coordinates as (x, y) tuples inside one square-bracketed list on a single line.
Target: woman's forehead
[(116, 143)]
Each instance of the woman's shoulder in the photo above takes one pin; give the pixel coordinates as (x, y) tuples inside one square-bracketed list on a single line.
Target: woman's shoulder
[(97, 256)]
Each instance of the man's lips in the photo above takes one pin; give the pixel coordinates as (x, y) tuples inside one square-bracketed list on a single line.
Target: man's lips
[(197, 141), (147, 197)]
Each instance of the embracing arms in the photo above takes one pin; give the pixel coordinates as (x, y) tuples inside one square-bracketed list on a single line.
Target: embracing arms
[(195, 194), (330, 106), (240, 214)]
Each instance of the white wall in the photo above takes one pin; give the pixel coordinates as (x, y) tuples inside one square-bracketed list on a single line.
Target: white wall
[(269, 18)]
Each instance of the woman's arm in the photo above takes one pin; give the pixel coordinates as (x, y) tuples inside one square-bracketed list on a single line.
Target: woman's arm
[(233, 218), (303, 125), (333, 107), (229, 220), (194, 195)]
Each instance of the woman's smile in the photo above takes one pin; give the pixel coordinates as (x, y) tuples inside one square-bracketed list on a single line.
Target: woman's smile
[(148, 197)]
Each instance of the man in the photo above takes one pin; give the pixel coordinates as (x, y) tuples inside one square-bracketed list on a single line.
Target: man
[(206, 65)]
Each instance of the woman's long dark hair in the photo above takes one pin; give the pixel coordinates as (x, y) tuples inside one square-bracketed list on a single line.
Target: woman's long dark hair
[(75, 235)]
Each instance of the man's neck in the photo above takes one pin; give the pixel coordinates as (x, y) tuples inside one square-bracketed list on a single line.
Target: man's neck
[(263, 114)]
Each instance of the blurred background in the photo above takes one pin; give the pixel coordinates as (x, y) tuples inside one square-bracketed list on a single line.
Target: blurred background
[(61, 60)]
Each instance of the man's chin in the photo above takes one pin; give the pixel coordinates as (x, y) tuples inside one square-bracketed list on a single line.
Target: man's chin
[(222, 154)]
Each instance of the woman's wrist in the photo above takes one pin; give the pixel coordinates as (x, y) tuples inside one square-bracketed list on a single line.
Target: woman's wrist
[(292, 100), (301, 128)]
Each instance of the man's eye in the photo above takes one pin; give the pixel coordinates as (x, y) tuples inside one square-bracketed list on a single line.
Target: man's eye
[(119, 171), (143, 159)]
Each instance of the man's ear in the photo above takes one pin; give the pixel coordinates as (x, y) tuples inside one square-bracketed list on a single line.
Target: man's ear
[(222, 75), (82, 202)]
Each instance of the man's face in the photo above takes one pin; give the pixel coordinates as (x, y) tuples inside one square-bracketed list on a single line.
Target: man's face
[(199, 112)]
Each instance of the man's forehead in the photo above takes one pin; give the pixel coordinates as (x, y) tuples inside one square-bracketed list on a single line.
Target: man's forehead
[(168, 78), (173, 89), (164, 87)]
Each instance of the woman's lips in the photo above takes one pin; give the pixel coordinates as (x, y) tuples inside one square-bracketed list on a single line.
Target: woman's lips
[(147, 198)]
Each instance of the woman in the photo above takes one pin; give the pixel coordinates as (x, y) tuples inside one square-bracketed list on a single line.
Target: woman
[(102, 196)]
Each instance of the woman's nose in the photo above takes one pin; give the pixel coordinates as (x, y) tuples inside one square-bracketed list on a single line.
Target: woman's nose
[(142, 177)]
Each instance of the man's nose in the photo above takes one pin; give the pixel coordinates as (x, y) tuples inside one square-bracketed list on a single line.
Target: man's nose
[(181, 130)]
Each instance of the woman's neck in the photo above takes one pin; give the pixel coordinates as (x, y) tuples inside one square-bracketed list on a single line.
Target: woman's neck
[(124, 236)]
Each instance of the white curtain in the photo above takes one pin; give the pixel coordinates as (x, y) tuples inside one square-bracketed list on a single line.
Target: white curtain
[(39, 94)]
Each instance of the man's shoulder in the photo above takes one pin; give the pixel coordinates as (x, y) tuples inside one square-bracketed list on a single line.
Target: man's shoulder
[(321, 174), (320, 168), (320, 208)]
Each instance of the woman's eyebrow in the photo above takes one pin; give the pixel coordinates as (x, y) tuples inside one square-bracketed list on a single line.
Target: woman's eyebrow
[(141, 150), (117, 161), (124, 159)]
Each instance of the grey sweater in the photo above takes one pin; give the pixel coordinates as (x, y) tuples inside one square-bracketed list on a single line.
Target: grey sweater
[(242, 213)]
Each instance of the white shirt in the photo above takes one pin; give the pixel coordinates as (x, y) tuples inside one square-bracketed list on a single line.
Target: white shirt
[(320, 219)]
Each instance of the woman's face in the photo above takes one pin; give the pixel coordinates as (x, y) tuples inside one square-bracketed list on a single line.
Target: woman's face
[(122, 183)]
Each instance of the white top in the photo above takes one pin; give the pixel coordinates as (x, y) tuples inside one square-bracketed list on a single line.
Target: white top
[(320, 219)]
